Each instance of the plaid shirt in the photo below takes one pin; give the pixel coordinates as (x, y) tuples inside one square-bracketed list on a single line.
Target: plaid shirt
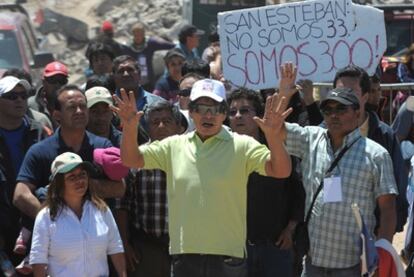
[(145, 200), (366, 173)]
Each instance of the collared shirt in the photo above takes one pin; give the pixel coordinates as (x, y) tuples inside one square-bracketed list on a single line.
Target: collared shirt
[(75, 247), (145, 200), (35, 168), (206, 188), (366, 173), (190, 55)]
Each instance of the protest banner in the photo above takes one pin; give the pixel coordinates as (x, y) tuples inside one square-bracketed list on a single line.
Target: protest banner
[(318, 36)]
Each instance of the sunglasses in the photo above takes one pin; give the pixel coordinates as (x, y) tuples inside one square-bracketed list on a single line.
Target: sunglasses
[(338, 110), (12, 96), (204, 109), (185, 92), (242, 111), (61, 80)]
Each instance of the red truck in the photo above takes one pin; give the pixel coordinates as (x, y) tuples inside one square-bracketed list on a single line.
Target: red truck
[(20, 48)]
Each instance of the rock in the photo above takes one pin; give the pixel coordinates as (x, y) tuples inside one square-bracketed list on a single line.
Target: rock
[(107, 5), (72, 28)]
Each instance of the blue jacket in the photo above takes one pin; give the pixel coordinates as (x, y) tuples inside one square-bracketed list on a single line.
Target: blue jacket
[(383, 134)]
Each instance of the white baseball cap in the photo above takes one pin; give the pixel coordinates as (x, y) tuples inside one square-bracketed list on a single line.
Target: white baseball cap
[(66, 162), (208, 88), (95, 95), (8, 83)]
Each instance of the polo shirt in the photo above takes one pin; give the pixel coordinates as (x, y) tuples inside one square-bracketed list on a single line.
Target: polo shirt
[(36, 165), (206, 189)]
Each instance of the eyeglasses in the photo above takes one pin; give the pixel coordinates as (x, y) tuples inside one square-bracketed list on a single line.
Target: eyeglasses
[(204, 109), (61, 80), (338, 110), (12, 96), (242, 111), (185, 92)]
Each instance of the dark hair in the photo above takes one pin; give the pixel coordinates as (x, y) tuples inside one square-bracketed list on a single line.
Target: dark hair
[(354, 71), (250, 95), (19, 73), (96, 48), (58, 105), (56, 202), (375, 79), (199, 67), (162, 105), (105, 80), (191, 75), (213, 37), (186, 31), (124, 58)]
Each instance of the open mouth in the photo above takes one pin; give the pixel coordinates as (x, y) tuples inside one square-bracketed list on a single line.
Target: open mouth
[(207, 125)]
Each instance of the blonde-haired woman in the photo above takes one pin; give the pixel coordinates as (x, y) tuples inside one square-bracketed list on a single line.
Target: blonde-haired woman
[(75, 232)]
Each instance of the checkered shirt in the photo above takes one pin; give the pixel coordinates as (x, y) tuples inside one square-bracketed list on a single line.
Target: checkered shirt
[(366, 173), (145, 200)]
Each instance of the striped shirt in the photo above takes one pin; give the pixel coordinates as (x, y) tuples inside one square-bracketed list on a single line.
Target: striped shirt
[(366, 173), (145, 200)]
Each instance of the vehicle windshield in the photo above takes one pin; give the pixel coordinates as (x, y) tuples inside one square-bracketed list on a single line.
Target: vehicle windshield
[(9, 54), (398, 36)]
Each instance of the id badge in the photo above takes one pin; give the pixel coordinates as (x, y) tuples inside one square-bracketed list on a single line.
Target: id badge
[(332, 189)]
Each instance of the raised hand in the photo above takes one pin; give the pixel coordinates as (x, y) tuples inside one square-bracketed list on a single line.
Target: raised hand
[(287, 86), (306, 86), (274, 115), (126, 108)]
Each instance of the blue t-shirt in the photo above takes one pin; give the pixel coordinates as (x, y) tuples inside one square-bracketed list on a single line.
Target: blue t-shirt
[(14, 140), (36, 165)]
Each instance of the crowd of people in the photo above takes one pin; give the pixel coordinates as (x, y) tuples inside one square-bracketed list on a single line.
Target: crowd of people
[(187, 175)]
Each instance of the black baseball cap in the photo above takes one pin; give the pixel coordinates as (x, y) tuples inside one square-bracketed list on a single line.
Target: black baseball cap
[(345, 96)]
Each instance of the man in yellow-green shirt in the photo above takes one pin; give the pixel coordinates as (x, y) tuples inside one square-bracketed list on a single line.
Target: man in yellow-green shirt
[(207, 172)]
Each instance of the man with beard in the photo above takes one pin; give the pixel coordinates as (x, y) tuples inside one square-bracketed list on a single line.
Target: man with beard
[(55, 75)]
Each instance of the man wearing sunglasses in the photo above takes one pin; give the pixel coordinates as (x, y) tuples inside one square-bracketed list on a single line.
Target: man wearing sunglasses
[(17, 133), (207, 172), (372, 127), (55, 76), (363, 175)]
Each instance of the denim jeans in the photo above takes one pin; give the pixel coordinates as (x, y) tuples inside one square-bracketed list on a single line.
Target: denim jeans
[(198, 265), (265, 259), (315, 271)]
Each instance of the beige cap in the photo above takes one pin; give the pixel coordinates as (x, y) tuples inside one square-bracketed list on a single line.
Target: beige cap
[(95, 95)]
